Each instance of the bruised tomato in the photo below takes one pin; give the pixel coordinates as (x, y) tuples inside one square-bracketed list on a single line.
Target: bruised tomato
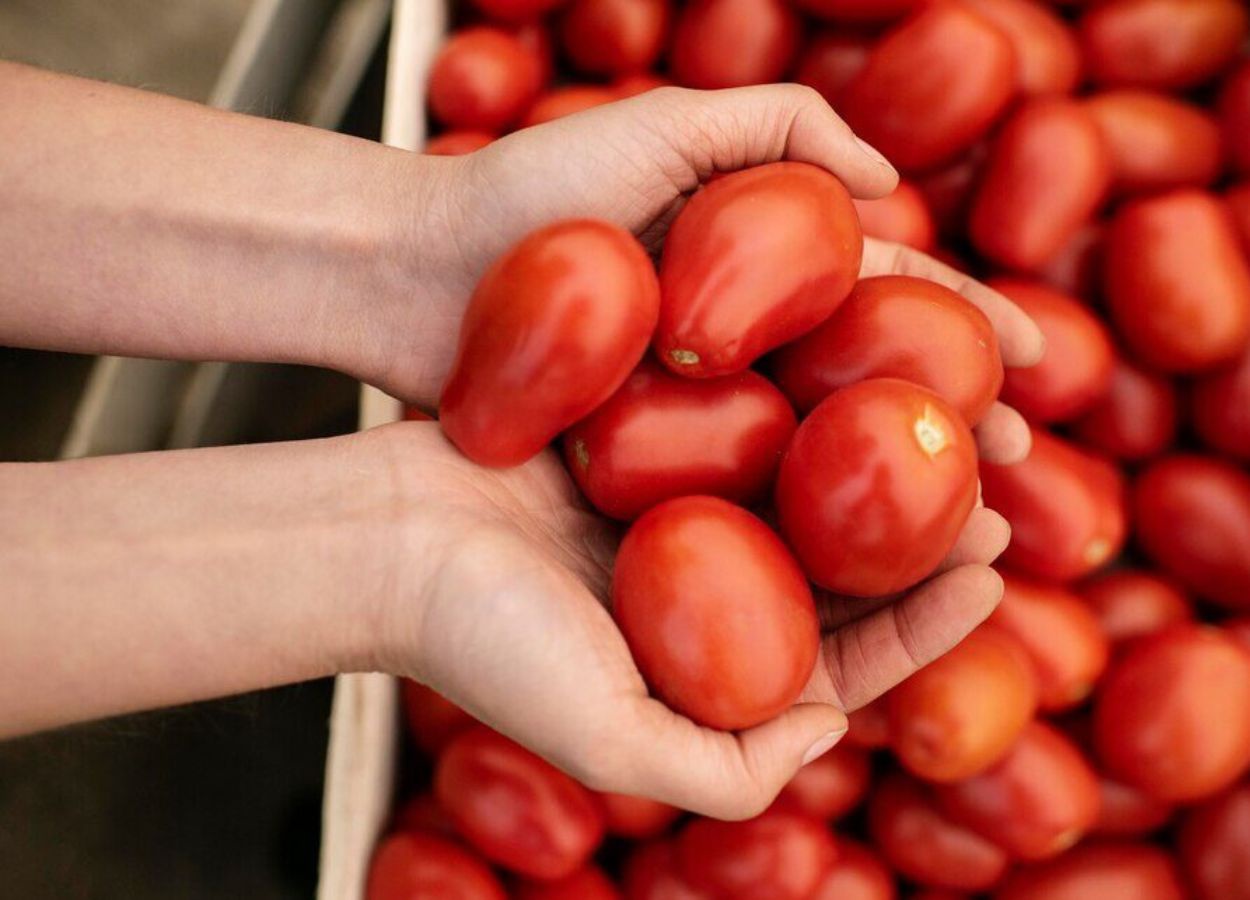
[(1135, 419), (432, 719), (483, 79), (1215, 846), (1098, 872), (859, 874), (902, 217), (614, 37), (565, 101), (1220, 405), (412, 864), (587, 883), (733, 43), (876, 486), (1130, 603), (829, 786), (1234, 112), (651, 873), (636, 817), (831, 61), (552, 330), (1076, 267), (1125, 811), (895, 326), (457, 143), (1047, 56), (754, 260), (716, 612)]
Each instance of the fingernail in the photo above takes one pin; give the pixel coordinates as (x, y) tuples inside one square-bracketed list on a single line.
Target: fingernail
[(822, 746), (873, 153)]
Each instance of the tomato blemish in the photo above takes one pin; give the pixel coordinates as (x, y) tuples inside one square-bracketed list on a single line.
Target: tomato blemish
[(929, 433)]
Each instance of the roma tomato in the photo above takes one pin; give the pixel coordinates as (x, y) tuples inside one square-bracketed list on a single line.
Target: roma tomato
[(1192, 516), (925, 845), (636, 818), (716, 612), (1234, 112), (1215, 846), (948, 191), (1130, 603), (831, 61), (1079, 361), (457, 143), (535, 37), (859, 874), (732, 43), (895, 326), (1125, 811), (1165, 44), (754, 260), (515, 808), (1098, 872), (614, 37), (869, 725), (662, 436), (1135, 419), (651, 873), (1237, 199), (962, 713), (1048, 58), (1047, 172), (432, 719), (587, 883), (565, 101), (553, 329), (829, 786), (1065, 507), (413, 866), (1220, 405), (482, 80), (516, 10), (1076, 268), (902, 217), (876, 486), (863, 11), (421, 812), (1172, 715), (969, 68), (638, 83)]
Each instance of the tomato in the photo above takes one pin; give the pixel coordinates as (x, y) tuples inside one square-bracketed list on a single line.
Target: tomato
[(1166, 44), (432, 719), (516, 10), (924, 845), (1237, 199), (1124, 811), (962, 713), (565, 101), (775, 856), (651, 874), (1079, 361), (614, 37), (1098, 872), (1234, 113), (860, 10), (1135, 419), (1130, 603), (1065, 507), (482, 80), (869, 725), (831, 61), (587, 883), (638, 83), (858, 874), (903, 217), (895, 326), (636, 817), (515, 808), (1193, 518), (662, 436), (716, 612), (754, 260), (1076, 267), (1220, 405), (922, 122), (1048, 59), (876, 486), (1239, 630), (948, 191), (457, 143), (415, 866), (829, 786), (732, 43), (1047, 172), (554, 327), (421, 812), (1215, 846), (535, 37)]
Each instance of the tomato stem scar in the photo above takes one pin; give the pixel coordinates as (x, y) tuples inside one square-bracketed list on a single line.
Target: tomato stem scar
[(684, 357), (581, 453), (929, 433)]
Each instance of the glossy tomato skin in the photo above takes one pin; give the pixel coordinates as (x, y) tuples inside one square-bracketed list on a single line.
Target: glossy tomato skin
[(831, 61), (1234, 113), (1066, 509), (859, 874), (699, 573), (860, 11), (921, 123), (895, 326), (733, 43), (754, 260), (566, 101), (1125, 811), (829, 786), (1135, 419), (457, 143), (902, 217), (651, 873), (1098, 872), (554, 327), (1077, 367), (432, 719), (663, 436), (1047, 55), (1192, 516), (1215, 846), (587, 883), (614, 37), (1047, 172), (876, 486), (636, 818), (1163, 44), (411, 865), (1220, 406), (483, 79), (516, 809), (1131, 603)]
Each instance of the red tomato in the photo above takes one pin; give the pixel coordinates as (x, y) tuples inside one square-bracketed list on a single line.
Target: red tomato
[(829, 786), (1131, 603), (869, 725), (857, 875), (948, 191), (1178, 286), (515, 808), (1079, 361), (457, 143), (1234, 113), (662, 436), (1098, 872), (876, 486), (636, 817), (902, 217), (716, 612), (587, 883), (614, 37), (1124, 811), (482, 80), (1237, 199), (565, 101), (775, 856), (415, 866), (516, 10), (535, 37), (554, 327), (1065, 507), (1035, 803), (638, 83), (831, 61), (860, 10), (962, 713), (1192, 515), (922, 122), (938, 895), (416, 414), (895, 326), (1135, 419), (1167, 44), (1076, 268), (754, 260), (1215, 846), (924, 845), (1047, 173), (432, 719), (1048, 59), (732, 43), (651, 874), (421, 812), (1220, 404)]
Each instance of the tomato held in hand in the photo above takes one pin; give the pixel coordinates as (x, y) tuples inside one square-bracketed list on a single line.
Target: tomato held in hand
[(829, 786), (651, 873), (1220, 404), (895, 326), (1130, 603), (1098, 872), (1125, 811), (733, 43), (859, 874), (554, 327), (1135, 419), (1234, 112), (922, 122), (483, 79), (636, 818), (565, 101), (414, 866), (716, 612), (1048, 59), (432, 719), (587, 883), (754, 260), (1215, 846), (515, 808), (831, 61), (614, 37), (902, 217)]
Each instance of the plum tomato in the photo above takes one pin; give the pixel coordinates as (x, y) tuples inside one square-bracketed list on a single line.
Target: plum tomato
[(1125, 811), (869, 725), (1135, 419), (565, 101), (1234, 112), (651, 873), (896, 326), (614, 37), (421, 812), (1237, 199), (902, 217), (829, 786), (859, 11), (1047, 55), (483, 79), (587, 883), (637, 818), (859, 874), (535, 37), (554, 327), (1214, 846), (754, 260), (830, 61), (733, 43), (1098, 872), (1076, 267), (432, 719), (457, 143), (1130, 603), (716, 612), (412, 865), (948, 191), (638, 83), (1220, 406)]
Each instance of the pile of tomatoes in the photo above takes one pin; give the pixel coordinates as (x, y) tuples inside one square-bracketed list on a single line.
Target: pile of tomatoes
[(1092, 738)]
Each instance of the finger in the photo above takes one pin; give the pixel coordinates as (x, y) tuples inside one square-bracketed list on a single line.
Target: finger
[(984, 538), (1019, 340), (1003, 436)]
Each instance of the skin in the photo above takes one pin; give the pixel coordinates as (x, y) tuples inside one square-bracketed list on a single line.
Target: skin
[(160, 228)]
